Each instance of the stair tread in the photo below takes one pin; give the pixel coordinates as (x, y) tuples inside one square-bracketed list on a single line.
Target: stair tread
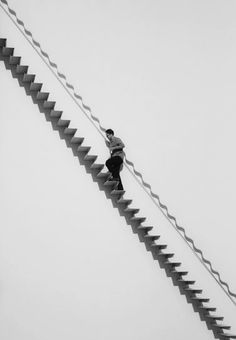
[(97, 166), (159, 246), (200, 299), (219, 324), (145, 228), (90, 157), (77, 140), (117, 192), (188, 282), (227, 335), (84, 148), (152, 237), (215, 317), (110, 183), (70, 131), (179, 272), (102, 175), (173, 264), (62, 122), (212, 309), (132, 210), (168, 255), (138, 218), (124, 200)]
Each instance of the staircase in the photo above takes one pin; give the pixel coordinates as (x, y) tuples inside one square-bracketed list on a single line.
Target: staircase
[(152, 244)]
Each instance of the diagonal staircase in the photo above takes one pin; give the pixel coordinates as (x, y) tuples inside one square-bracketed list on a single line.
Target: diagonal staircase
[(152, 244)]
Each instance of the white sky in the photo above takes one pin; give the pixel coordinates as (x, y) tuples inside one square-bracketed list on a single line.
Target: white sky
[(162, 75)]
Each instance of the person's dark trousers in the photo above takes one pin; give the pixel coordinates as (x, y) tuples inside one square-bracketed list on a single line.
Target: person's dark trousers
[(114, 165)]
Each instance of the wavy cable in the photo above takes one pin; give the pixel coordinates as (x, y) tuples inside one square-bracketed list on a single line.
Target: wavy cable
[(86, 109)]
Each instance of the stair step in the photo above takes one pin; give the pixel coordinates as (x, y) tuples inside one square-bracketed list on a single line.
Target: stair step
[(200, 299), (55, 113), (222, 326), (173, 264), (152, 238), (28, 78), (159, 246), (132, 210), (193, 290), (166, 255), (228, 336), (187, 282), (97, 166), (3, 42), (103, 175), (124, 201), (110, 183), (21, 69), (49, 105), (90, 158), (70, 131), (145, 229), (14, 60), (214, 318), (207, 308), (62, 122), (179, 273), (35, 86), (42, 95), (77, 140), (84, 148), (138, 219), (117, 193), (7, 51)]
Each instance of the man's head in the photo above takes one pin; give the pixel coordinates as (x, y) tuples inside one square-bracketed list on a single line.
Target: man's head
[(109, 133)]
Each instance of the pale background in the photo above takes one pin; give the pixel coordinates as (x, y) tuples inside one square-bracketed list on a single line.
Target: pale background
[(162, 75)]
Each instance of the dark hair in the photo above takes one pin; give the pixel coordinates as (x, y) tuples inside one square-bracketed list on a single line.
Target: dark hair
[(110, 132)]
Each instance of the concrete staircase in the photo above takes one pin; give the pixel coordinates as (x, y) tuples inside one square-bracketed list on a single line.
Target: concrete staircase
[(152, 242)]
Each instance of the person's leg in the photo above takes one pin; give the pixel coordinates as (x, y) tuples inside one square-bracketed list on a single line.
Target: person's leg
[(120, 185), (117, 162), (110, 165)]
